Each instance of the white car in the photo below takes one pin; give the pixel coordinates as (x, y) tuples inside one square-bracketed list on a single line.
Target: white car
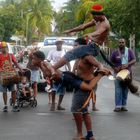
[(68, 41)]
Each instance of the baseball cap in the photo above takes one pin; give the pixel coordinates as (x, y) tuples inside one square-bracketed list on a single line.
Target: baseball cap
[(3, 44)]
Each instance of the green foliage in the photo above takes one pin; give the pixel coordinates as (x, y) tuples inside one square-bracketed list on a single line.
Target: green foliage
[(38, 15), (83, 14), (33, 18), (27, 18), (123, 15), (66, 17), (9, 21)]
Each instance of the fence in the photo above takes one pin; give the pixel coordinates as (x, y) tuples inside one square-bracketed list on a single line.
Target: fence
[(137, 53)]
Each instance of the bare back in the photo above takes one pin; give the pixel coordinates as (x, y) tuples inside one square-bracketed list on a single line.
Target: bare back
[(84, 69), (102, 31), (45, 69)]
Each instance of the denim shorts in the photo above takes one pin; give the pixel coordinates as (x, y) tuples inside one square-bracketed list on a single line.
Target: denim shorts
[(58, 88), (67, 78), (10, 88), (90, 49)]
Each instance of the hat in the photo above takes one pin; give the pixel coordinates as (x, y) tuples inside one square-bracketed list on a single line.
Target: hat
[(3, 44), (97, 9), (59, 40)]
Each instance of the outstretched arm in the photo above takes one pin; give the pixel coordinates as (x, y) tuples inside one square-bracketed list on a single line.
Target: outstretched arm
[(93, 82), (97, 32), (81, 27)]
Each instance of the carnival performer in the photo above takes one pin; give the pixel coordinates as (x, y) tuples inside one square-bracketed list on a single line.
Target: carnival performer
[(83, 84)]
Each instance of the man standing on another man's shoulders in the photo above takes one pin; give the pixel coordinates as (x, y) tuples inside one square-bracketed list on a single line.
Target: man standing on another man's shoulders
[(97, 37)]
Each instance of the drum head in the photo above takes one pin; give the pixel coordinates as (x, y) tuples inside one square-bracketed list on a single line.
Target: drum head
[(111, 77), (123, 74)]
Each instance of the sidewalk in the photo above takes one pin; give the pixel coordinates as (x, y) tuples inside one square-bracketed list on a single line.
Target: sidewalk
[(136, 71)]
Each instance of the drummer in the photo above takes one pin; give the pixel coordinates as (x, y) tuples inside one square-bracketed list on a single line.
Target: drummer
[(6, 63), (123, 58)]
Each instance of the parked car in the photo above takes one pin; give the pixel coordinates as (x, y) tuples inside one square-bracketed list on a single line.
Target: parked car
[(69, 41)]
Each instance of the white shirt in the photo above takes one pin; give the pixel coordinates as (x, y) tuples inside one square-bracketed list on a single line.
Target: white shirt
[(54, 56)]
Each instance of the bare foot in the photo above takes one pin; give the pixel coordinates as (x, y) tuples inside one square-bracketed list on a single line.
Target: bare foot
[(95, 109), (92, 138), (79, 138), (52, 107), (49, 103)]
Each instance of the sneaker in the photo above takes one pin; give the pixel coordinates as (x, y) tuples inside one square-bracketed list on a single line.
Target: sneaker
[(15, 109), (124, 109), (5, 109), (117, 109), (60, 108)]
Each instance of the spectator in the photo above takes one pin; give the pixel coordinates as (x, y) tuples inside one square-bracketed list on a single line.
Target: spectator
[(34, 69), (53, 57)]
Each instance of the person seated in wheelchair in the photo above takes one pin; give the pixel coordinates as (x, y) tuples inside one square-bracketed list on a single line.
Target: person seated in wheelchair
[(25, 87)]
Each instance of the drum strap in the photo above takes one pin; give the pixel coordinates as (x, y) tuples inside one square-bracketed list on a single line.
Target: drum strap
[(106, 59), (10, 58), (124, 57)]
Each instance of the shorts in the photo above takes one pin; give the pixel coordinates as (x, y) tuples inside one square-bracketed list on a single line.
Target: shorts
[(58, 88), (78, 100), (69, 78), (10, 88), (34, 75), (90, 49)]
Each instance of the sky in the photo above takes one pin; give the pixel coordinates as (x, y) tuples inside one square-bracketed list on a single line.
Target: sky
[(57, 4)]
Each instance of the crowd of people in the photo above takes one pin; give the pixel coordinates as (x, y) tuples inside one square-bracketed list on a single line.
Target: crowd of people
[(83, 78)]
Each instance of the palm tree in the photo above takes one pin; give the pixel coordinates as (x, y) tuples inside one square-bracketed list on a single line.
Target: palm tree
[(9, 19), (37, 18)]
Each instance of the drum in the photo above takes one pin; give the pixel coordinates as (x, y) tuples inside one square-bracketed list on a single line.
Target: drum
[(124, 76), (9, 77)]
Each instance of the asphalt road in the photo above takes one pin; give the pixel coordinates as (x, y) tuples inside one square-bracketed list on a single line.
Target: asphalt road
[(41, 124)]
